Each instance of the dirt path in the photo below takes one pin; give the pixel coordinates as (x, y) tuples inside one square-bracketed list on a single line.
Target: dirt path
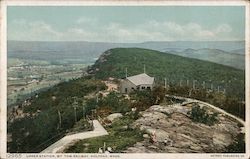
[(190, 100), (62, 143)]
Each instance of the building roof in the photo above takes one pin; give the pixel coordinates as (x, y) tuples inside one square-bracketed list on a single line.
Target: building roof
[(141, 79)]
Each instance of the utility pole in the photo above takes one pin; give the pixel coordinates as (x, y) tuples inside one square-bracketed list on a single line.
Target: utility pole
[(218, 88), (239, 108), (165, 82), (194, 84), (126, 72), (204, 85), (75, 114), (212, 86), (180, 83), (97, 99), (187, 82), (59, 113), (104, 146), (60, 118), (190, 92), (83, 109), (92, 113), (75, 104)]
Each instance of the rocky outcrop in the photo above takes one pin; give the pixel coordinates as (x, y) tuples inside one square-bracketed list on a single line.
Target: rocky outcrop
[(176, 132)]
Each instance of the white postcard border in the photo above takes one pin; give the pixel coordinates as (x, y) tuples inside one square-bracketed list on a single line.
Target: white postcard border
[(3, 74)]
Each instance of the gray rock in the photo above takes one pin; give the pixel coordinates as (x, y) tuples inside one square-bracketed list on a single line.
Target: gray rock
[(114, 116), (146, 136)]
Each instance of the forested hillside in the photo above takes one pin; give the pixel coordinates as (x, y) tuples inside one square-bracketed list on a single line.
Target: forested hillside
[(175, 68), (48, 115)]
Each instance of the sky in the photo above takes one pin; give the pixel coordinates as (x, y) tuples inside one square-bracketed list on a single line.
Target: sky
[(127, 24)]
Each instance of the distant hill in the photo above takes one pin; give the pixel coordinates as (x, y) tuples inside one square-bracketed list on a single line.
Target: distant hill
[(113, 62), (87, 52), (238, 51), (182, 45), (215, 55)]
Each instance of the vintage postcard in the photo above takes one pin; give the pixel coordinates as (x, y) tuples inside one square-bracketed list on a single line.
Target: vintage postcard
[(124, 79)]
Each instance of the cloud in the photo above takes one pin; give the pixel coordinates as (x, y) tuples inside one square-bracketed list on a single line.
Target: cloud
[(39, 27), (175, 31), (19, 22), (86, 29), (79, 34), (223, 28), (32, 31), (86, 20)]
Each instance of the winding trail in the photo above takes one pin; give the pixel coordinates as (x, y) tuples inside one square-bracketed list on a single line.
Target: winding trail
[(190, 100), (61, 144)]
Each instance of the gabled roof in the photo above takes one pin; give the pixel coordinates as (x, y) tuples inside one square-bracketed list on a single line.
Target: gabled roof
[(141, 79)]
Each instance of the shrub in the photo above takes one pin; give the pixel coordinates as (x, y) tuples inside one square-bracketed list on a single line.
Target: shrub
[(115, 102), (198, 114), (158, 94)]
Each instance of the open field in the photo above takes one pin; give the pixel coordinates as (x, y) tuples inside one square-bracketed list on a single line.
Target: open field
[(26, 77)]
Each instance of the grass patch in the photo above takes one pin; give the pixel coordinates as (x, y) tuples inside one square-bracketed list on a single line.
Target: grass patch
[(120, 137)]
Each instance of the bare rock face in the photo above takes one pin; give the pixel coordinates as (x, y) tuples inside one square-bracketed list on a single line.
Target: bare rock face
[(175, 132)]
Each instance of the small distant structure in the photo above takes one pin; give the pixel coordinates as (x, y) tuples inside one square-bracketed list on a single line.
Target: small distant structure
[(137, 82)]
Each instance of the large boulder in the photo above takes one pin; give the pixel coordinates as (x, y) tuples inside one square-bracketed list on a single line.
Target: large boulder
[(114, 116)]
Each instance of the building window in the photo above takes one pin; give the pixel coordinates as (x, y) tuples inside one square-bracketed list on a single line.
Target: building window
[(142, 87), (132, 88), (148, 88), (126, 90)]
